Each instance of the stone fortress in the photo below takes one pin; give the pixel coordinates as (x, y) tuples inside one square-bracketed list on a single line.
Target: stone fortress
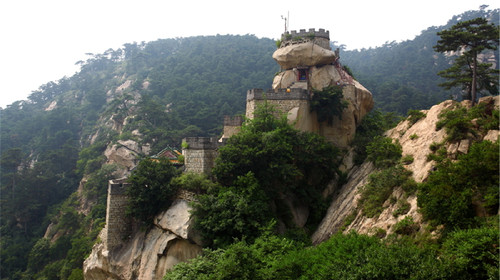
[(307, 62)]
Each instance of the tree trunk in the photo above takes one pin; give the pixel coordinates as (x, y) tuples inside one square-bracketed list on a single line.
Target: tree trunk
[(474, 77)]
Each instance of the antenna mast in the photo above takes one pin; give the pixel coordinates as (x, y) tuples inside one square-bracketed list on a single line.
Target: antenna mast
[(287, 21)]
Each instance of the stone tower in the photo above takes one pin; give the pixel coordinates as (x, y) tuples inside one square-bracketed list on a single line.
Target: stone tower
[(308, 63), (118, 226)]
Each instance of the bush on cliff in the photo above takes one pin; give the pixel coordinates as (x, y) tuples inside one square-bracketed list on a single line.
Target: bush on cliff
[(351, 256), (150, 189), (236, 212), (286, 163), (457, 191)]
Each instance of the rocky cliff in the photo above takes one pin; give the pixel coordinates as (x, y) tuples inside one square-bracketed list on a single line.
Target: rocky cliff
[(310, 65), (147, 254), (415, 140)]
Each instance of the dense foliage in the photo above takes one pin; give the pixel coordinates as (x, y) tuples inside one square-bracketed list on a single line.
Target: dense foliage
[(239, 211), (267, 163), (471, 38), (381, 185), (373, 125), (328, 103), (470, 254), (461, 123), (383, 152), (150, 189), (457, 192)]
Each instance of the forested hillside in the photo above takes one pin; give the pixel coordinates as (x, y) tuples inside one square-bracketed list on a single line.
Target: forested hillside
[(177, 88), (155, 93), (403, 76)]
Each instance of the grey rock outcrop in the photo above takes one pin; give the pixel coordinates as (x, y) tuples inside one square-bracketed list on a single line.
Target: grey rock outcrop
[(125, 155), (147, 254)]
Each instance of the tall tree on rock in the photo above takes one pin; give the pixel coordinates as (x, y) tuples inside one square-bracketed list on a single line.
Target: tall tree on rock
[(470, 38)]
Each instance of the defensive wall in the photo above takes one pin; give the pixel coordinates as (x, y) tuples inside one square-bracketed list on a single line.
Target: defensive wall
[(282, 99), (118, 226), (200, 153), (232, 125)]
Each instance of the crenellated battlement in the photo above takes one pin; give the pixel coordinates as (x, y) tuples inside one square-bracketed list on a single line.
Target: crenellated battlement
[(280, 94), (200, 154), (201, 143), (320, 37), (321, 33), (233, 120)]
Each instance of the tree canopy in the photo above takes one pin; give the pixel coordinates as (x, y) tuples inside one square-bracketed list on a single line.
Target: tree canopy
[(150, 189), (469, 38), (267, 165)]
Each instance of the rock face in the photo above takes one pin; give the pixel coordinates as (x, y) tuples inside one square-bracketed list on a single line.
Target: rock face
[(415, 141), (147, 254), (304, 54), (309, 66), (341, 132), (124, 154)]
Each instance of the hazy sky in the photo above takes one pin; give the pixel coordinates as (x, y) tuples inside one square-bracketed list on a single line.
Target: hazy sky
[(42, 39)]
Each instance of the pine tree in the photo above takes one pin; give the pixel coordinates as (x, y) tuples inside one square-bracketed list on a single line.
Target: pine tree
[(470, 38)]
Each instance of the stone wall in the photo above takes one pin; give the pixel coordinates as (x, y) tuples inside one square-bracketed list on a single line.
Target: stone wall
[(118, 226), (320, 37), (200, 154), (283, 99), (232, 125)]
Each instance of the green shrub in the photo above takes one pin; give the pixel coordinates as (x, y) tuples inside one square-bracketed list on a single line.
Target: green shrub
[(453, 192), (379, 232), (193, 182), (379, 188), (473, 253), (403, 208), (354, 256), (228, 213), (406, 226), (486, 116), (435, 146), (241, 260), (415, 115), (407, 159), (383, 152), (413, 136), (458, 121), (328, 103), (278, 44), (373, 124), (284, 161), (150, 189)]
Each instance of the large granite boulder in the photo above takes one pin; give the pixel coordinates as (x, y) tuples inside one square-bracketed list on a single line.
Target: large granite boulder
[(302, 55)]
